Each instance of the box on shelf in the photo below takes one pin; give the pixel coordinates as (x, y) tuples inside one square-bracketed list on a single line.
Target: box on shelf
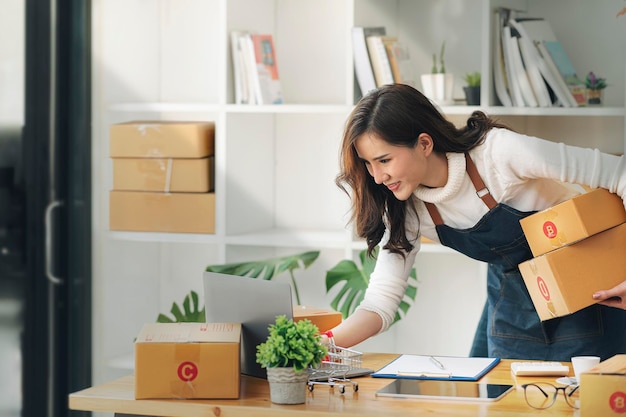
[(324, 319), (562, 281), (161, 139), (573, 220), (188, 360), (139, 211), (194, 175), (607, 395)]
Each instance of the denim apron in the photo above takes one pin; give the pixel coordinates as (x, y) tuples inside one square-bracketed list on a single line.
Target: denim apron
[(511, 324)]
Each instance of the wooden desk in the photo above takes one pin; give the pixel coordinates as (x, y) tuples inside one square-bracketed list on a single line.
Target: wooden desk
[(118, 397)]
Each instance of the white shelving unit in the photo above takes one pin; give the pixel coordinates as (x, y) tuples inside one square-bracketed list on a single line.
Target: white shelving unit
[(275, 165)]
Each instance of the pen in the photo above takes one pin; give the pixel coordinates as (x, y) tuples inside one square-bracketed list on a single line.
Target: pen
[(437, 362), (425, 374)]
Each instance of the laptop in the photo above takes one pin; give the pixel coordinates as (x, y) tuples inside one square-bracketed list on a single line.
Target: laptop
[(253, 302)]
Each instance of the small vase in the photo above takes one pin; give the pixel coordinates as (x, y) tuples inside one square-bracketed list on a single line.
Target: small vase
[(287, 386), (438, 88), (594, 96), (472, 95)]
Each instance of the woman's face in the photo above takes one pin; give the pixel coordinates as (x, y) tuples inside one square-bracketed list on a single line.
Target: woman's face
[(398, 168)]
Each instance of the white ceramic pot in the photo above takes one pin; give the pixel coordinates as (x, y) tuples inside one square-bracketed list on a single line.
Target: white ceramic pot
[(438, 88), (287, 386)]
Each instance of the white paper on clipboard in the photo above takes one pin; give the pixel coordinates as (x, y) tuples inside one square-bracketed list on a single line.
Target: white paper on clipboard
[(437, 367)]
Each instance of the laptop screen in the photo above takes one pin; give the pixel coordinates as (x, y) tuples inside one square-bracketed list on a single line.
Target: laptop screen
[(254, 303)]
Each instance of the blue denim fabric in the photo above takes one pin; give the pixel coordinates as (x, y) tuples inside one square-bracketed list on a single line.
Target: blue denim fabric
[(510, 325)]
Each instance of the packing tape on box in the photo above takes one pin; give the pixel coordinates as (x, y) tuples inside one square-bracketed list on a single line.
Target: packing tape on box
[(168, 175)]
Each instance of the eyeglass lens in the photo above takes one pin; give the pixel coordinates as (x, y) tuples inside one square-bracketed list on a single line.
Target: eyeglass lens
[(542, 395)]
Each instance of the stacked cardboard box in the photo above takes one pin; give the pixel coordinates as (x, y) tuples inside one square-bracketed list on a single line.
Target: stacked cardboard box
[(324, 319), (162, 176), (607, 396), (188, 360), (578, 248)]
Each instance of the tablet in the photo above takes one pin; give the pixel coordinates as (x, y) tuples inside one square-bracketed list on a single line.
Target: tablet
[(444, 390)]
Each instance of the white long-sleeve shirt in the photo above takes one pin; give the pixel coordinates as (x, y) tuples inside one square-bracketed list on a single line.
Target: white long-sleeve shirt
[(523, 172)]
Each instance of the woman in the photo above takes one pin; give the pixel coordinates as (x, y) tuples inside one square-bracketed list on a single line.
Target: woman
[(412, 173)]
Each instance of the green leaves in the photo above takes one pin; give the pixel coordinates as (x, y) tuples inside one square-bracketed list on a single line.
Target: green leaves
[(352, 283), (269, 268), (190, 314), (291, 344)]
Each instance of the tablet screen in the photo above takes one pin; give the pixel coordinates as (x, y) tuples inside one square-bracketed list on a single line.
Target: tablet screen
[(448, 390)]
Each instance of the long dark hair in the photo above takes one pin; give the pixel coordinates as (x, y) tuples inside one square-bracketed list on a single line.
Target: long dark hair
[(398, 114)]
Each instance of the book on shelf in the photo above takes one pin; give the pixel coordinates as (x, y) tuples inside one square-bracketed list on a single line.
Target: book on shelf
[(380, 61), (499, 73), (266, 69), (523, 95), (399, 59), (530, 59), (240, 84), (362, 65), (514, 87), (565, 67)]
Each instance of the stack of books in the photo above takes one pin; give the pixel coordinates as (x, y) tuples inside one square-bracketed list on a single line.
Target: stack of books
[(379, 59), (531, 67), (255, 70)]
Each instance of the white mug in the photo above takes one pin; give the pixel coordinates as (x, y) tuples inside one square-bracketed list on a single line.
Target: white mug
[(582, 364)]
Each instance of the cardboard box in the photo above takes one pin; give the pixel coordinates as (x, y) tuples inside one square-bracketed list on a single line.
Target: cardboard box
[(162, 139), (324, 319), (573, 220), (164, 174), (603, 389), (139, 211), (562, 281), (188, 360)]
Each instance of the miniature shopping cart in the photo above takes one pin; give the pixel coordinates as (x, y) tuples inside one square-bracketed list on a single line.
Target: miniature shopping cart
[(333, 371)]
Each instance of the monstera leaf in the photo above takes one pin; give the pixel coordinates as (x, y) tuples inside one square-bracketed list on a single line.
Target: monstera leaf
[(190, 313), (352, 283), (269, 268)]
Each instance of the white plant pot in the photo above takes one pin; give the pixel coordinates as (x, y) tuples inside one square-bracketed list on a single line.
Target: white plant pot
[(438, 88), (287, 386)]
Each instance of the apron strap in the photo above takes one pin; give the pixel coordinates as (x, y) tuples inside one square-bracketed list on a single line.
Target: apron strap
[(481, 191)]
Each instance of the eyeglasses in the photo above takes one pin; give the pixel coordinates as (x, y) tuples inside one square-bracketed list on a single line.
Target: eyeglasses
[(542, 395)]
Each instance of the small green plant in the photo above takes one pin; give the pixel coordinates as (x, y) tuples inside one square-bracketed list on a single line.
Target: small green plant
[(269, 268), (593, 82), (472, 79), (291, 344), (442, 66), (190, 312)]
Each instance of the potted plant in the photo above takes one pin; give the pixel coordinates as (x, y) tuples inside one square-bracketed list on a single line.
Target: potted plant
[(287, 353), (472, 89), (438, 85), (595, 85)]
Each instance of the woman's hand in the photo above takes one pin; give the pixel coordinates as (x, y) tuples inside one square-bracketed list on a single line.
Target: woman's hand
[(615, 297)]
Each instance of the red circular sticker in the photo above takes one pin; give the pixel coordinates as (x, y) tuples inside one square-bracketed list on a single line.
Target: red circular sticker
[(549, 229), (617, 402), (543, 288), (187, 371)]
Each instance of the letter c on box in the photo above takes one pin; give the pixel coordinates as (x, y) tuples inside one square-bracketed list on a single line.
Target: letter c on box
[(543, 288), (187, 371)]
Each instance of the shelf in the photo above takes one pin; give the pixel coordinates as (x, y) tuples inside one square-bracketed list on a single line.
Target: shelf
[(592, 111), (158, 237)]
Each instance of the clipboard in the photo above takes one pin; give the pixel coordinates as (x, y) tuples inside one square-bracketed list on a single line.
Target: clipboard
[(441, 368)]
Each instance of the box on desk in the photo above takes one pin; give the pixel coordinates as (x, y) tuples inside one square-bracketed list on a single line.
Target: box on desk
[(139, 211), (194, 175), (161, 139), (188, 360), (324, 319), (573, 220), (562, 281), (607, 395)]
